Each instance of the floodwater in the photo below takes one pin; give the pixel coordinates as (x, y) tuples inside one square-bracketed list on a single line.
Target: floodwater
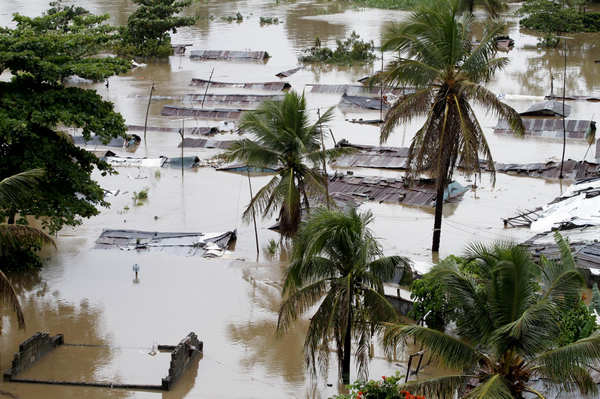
[(231, 302)]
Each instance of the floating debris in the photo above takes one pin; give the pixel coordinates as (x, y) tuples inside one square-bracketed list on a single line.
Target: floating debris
[(547, 108), (420, 192), (275, 86), (180, 48), (364, 102), (196, 131), (362, 121), (288, 73), (550, 128), (578, 206), (368, 156), (135, 162), (523, 219), (504, 43), (206, 143), (188, 244), (229, 55), (215, 114), (130, 143), (187, 162), (573, 98)]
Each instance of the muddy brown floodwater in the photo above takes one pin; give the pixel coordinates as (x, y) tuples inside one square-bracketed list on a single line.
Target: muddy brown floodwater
[(231, 302)]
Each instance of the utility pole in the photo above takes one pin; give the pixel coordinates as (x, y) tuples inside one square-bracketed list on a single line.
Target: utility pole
[(381, 89), (562, 161), (207, 85), (147, 111)]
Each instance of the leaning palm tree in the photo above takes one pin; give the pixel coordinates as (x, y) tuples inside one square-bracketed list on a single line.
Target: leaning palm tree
[(435, 54), (13, 236), (284, 138), (506, 329), (336, 261)]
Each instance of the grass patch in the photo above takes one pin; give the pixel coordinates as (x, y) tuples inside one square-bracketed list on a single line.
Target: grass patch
[(385, 4), (238, 17)]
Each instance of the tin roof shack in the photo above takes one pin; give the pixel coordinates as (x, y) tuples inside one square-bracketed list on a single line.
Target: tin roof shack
[(370, 156), (205, 143), (130, 143), (187, 244), (391, 190), (584, 246), (274, 86), (213, 114), (572, 170), (547, 108), (579, 205), (234, 99), (225, 55), (288, 73), (549, 128), (363, 102), (573, 98), (199, 131)]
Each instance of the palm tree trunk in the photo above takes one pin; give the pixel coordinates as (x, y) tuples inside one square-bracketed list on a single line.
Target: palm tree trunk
[(439, 204), (11, 217), (347, 346)]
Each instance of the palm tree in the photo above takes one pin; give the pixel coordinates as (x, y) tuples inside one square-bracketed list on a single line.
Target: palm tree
[(283, 137), (13, 236), (491, 7), (335, 256), (506, 328), (435, 54)]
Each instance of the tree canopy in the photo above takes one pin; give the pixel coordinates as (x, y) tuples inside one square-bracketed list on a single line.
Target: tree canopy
[(148, 28), (35, 107)]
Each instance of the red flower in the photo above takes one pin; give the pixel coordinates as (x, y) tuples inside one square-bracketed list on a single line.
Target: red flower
[(383, 377)]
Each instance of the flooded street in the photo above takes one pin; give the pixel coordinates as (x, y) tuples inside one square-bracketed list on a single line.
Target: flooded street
[(90, 295)]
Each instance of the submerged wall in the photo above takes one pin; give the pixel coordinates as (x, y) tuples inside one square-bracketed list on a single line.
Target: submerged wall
[(32, 350)]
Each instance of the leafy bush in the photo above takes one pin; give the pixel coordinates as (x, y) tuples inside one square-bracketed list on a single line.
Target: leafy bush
[(386, 388), (239, 18), (550, 17), (579, 322), (269, 20), (350, 51)]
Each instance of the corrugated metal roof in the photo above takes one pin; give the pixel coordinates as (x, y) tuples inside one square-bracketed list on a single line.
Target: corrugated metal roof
[(289, 72), (276, 86), (356, 89), (200, 131), (363, 102), (229, 55), (367, 156), (547, 108), (390, 190), (215, 114), (242, 99), (549, 128), (206, 143), (118, 142), (572, 169), (574, 98)]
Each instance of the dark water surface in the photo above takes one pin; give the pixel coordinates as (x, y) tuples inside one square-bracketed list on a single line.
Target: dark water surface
[(231, 302)]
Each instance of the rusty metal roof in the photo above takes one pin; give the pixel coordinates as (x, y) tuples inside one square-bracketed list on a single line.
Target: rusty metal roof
[(572, 169), (549, 128), (391, 190), (547, 108), (289, 72), (370, 156), (276, 86), (363, 102), (215, 114), (206, 143), (242, 99), (229, 55)]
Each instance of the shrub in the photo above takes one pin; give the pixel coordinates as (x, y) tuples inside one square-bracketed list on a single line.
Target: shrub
[(350, 51)]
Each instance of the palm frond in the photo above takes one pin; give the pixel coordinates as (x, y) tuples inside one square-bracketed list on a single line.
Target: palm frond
[(493, 388), (15, 236), (452, 352), (9, 296), (437, 387), (17, 187), (560, 361), (298, 302)]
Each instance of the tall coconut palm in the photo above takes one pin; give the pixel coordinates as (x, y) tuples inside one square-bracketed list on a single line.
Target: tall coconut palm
[(436, 55), (12, 236), (284, 137), (336, 259), (507, 327)]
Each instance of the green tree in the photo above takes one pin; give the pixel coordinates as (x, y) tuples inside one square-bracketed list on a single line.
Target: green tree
[(40, 53), (595, 304), (435, 54), (430, 303), (577, 323), (14, 189), (284, 137), (507, 324), (147, 33), (336, 261)]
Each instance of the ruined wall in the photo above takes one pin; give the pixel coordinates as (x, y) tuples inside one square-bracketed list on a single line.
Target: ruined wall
[(183, 354), (31, 350)]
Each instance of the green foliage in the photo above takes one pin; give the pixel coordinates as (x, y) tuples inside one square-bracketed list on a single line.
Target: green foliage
[(595, 304), (239, 18), (548, 17), (386, 388), (337, 264), (428, 296), (269, 21), (576, 323), (148, 29), (40, 53), (350, 51), (272, 247), (386, 4), (512, 316), (140, 197)]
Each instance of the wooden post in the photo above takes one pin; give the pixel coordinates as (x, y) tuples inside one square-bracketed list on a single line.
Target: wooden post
[(562, 161), (207, 85), (253, 213), (147, 111)]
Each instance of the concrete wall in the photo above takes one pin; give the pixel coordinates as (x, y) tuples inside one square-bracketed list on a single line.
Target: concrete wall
[(181, 357), (31, 350)]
